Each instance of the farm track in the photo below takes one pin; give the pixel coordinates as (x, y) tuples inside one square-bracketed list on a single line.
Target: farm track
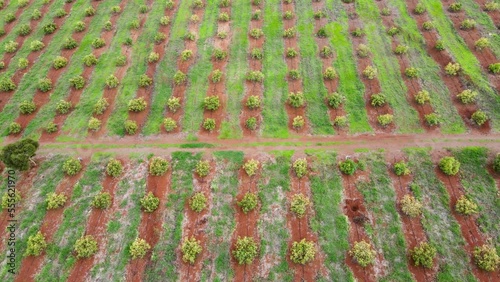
[(246, 225), (411, 84), (355, 210), (179, 90), (31, 265), (146, 93), (470, 231), (372, 86), (412, 226), (74, 94), (96, 227), (110, 94), (41, 98), (32, 57), (485, 56), (455, 84), (151, 223), (294, 85), (300, 229), (218, 89), (253, 88), (331, 85)]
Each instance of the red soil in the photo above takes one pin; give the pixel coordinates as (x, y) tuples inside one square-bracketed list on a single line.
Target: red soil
[(455, 84), (179, 91), (96, 227), (74, 95), (252, 88), (413, 230), (151, 223), (299, 229), (470, 231), (371, 86), (194, 226), (357, 214), (31, 265), (246, 225), (218, 89)]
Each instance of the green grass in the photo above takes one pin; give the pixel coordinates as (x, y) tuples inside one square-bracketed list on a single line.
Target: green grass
[(311, 71), (439, 224), (237, 68), (76, 122), (380, 198), (481, 186), (350, 84), (488, 100), (391, 81), (163, 79), (274, 235), (60, 259), (275, 119), (30, 219), (123, 225), (451, 123), (138, 66), (200, 70), (74, 68), (164, 253), (221, 222), (28, 85), (329, 222)]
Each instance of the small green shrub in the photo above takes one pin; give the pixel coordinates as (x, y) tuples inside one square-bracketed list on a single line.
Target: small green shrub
[(300, 167), (10, 199), (439, 45), (479, 117), (202, 168), (116, 10), (135, 24), (411, 206), (322, 33), (101, 201), (186, 55), (165, 20), (224, 17), (22, 3), (296, 100), (432, 119), (248, 202), (14, 128), (100, 106), (348, 167), (55, 201), (49, 28), (85, 247), (428, 25), (60, 13), (149, 202), (290, 32), (174, 103), (482, 43), (51, 127), (222, 34), (211, 103), (298, 122), (198, 202), (90, 60), (44, 84), (494, 68), (77, 82), (491, 6), (302, 252), (11, 46), (59, 62), (486, 257), (225, 3), (256, 33), (257, 15), (36, 45), (363, 253), (419, 9), (423, 255), (98, 43), (143, 9), (401, 168), (362, 51), (112, 81), (291, 53), (251, 166), (370, 72), (108, 26), (121, 60), (467, 96), (251, 123), (139, 248), (401, 49), (378, 100), (24, 29), (198, 4), (153, 57), (36, 245), (72, 166), (90, 11), (340, 121), (466, 206), (209, 124), (22, 63), (468, 24), (358, 32), (394, 30), (170, 124), (27, 107), (385, 120), (169, 4), (253, 102), (255, 76), (79, 26), (245, 251), (190, 249), (6, 84), (326, 52), (330, 73), (288, 15), (455, 7), (145, 81), (216, 76), (452, 68), (114, 168), (158, 166), (94, 124), (496, 163), (449, 165), (130, 127), (411, 72), (299, 205), (422, 97), (160, 37), (335, 100)]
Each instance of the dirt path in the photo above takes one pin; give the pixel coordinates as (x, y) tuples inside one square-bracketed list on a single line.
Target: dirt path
[(413, 230), (31, 265), (151, 223), (96, 227), (74, 94), (372, 86), (455, 84), (253, 88)]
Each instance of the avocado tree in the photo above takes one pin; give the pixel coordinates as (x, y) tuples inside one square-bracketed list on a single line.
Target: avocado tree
[(18, 155)]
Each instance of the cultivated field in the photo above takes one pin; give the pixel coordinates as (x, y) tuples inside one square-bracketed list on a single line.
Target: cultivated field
[(250, 140)]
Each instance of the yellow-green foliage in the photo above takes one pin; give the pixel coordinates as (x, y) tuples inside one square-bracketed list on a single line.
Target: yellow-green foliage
[(299, 205), (36, 245), (300, 167), (302, 252), (466, 206), (251, 167), (198, 202), (190, 249), (149, 202), (411, 206), (486, 257), (363, 253), (55, 200), (245, 250), (139, 248), (85, 247), (423, 255)]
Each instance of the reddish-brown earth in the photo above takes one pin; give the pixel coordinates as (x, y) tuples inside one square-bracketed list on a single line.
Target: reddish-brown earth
[(151, 223), (96, 227), (372, 86), (252, 88), (31, 265)]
